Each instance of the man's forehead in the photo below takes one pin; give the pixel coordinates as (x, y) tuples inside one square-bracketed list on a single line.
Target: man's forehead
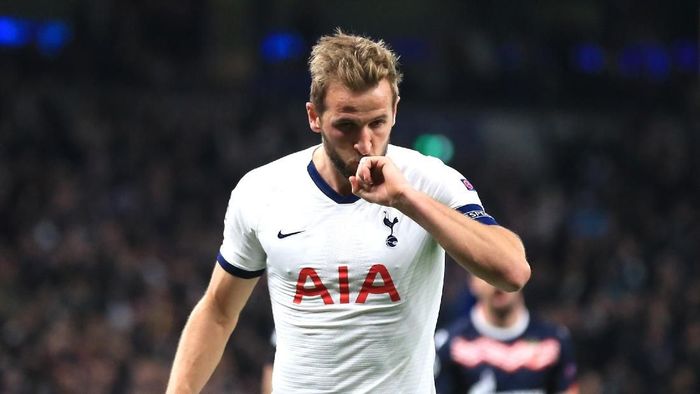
[(341, 99), (349, 109), (351, 113), (361, 110)]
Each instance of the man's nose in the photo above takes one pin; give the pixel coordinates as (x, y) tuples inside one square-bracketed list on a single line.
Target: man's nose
[(364, 141)]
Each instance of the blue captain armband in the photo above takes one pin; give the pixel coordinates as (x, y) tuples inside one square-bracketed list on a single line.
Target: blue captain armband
[(476, 212)]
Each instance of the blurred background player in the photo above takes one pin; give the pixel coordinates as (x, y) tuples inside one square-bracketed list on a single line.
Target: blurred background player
[(500, 347)]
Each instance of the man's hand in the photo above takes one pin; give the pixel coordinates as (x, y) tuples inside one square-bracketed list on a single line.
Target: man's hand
[(492, 253), (378, 181)]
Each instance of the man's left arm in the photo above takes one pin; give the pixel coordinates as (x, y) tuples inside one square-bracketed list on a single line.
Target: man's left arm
[(492, 253)]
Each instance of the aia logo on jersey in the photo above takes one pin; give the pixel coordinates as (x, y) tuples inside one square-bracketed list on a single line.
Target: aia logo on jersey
[(391, 240), (369, 286), (467, 184)]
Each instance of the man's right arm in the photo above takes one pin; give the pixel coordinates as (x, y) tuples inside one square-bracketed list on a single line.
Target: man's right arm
[(207, 330)]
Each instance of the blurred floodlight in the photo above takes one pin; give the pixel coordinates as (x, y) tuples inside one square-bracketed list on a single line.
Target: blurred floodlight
[(685, 55), (14, 32), (49, 37), (657, 62), (52, 37), (589, 58), (436, 145), (278, 47)]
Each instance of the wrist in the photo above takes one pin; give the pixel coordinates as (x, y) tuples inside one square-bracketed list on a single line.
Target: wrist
[(405, 199)]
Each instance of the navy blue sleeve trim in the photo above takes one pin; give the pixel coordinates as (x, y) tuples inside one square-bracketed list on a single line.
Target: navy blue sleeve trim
[(235, 271), (476, 212)]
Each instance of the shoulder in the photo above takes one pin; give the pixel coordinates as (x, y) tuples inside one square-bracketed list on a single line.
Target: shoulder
[(419, 168), (548, 329), (435, 178), (276, 174), (461, 327), (406, 158)]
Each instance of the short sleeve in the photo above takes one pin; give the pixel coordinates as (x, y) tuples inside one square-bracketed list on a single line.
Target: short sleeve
[(453, 189), (241, 253)]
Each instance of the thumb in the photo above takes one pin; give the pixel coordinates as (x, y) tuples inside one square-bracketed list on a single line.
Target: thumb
[(355, 184)]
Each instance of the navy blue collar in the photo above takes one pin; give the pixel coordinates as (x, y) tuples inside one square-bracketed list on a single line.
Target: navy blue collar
[(327, 189)]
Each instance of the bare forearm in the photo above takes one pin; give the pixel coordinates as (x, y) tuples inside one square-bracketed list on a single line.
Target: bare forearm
[(490, 252), (199, 351)]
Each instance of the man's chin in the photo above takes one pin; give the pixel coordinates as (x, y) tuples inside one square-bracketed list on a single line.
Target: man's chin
[(501, 301), (351, 169), (347, 169)]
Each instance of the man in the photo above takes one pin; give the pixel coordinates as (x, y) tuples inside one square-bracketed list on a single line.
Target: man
[(352, 234), (501, 348)]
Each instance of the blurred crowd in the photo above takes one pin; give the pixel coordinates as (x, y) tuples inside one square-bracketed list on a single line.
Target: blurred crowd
[(112, 203), (114, 180)]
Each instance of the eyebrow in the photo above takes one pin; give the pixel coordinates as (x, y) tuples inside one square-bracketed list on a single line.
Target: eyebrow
[(354, 120), (348, 109), (344, 120)]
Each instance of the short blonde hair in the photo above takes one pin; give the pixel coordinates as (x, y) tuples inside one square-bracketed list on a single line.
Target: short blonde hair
[(357, 62)]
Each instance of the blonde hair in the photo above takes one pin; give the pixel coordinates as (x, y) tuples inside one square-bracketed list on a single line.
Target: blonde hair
[(357, 62)]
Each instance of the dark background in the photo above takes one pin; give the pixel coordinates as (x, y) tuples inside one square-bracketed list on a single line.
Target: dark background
[(125, 124)]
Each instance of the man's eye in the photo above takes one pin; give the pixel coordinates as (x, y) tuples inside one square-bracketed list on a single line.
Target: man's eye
[(345, 126), (377, 123)]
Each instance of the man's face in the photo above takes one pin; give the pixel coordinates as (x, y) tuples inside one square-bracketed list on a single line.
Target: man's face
[(354, 124), (494, 299)]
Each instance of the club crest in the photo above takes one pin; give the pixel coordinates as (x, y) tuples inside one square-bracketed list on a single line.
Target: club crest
[(391, 240)]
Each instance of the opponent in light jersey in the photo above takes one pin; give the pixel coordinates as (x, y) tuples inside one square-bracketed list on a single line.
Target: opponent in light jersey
[(355, 286)]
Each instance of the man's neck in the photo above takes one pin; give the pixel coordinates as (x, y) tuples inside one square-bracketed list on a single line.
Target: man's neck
[(503, 328), (503, 318), (329, 173)]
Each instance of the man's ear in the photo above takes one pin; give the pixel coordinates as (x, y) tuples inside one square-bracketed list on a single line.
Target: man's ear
[(314, 118), (396, 108)]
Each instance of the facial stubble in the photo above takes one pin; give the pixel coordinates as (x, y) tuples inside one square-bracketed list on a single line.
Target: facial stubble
[(345, 169)]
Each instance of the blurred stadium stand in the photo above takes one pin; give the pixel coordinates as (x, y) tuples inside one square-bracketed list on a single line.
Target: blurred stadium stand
[(125, 124)]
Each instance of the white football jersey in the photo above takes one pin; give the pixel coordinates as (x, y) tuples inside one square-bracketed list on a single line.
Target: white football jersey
[(355, 286)]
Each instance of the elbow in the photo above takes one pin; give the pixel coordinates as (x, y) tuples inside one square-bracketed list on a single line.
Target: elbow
[(516, 277), (215, 311)]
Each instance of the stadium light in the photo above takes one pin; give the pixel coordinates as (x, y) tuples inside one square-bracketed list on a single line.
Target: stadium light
[(685, 55), (589, 58), (278, 47), (52, 37), (14, 33), (657, 62), (436, 145)]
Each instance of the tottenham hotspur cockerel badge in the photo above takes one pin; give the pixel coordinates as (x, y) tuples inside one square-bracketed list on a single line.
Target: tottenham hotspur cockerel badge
[(391, 240)]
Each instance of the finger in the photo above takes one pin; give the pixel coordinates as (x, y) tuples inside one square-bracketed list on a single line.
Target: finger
[(360, 164), (364, 170), (360, 169), (356, 186)]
